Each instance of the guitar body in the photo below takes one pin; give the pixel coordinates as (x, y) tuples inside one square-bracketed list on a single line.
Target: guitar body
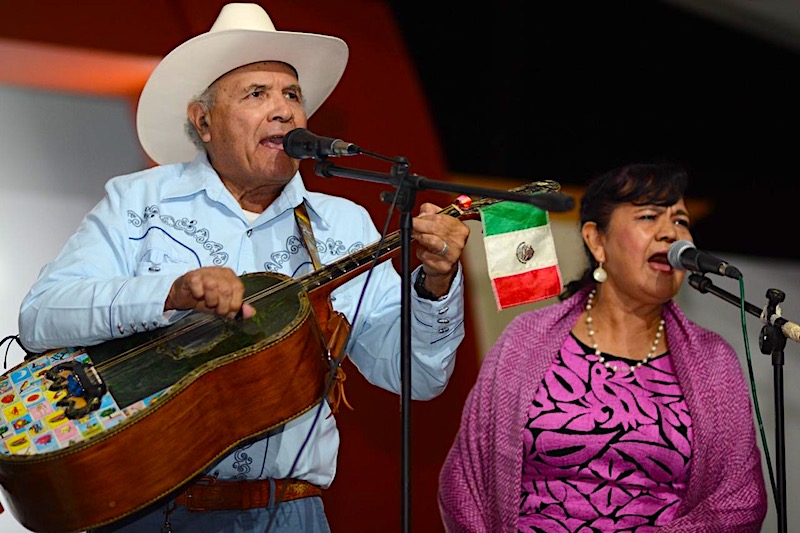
[(178, 399)]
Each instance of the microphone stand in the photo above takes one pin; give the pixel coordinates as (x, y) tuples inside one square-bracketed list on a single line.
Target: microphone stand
[(772, 341), (407, 186)]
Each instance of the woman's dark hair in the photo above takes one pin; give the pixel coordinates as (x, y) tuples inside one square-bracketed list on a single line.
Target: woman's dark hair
[(640, 184)]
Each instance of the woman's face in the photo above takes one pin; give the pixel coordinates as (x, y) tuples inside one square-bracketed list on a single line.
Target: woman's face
[(634, 248)]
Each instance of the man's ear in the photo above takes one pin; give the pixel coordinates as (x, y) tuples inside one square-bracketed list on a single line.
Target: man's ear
[(594, 239), (200, 117)]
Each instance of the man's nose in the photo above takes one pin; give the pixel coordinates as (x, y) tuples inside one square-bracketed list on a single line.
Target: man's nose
[(281, 110)]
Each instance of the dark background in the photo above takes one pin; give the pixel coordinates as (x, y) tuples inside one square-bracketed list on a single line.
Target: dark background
[(565, 90)]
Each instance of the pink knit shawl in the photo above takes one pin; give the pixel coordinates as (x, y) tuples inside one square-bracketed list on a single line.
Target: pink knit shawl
[(480, 481)]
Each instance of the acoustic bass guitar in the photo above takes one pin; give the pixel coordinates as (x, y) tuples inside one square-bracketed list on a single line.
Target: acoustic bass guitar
[(89, 435)]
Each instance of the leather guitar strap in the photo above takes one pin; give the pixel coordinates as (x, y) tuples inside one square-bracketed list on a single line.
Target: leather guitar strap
[(304, 223), (338, 325)]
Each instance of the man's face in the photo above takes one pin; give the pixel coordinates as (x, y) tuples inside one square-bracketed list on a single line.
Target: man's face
[(254, 107)]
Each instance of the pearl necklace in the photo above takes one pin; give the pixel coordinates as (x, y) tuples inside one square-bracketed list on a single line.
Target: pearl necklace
[(597, 351)]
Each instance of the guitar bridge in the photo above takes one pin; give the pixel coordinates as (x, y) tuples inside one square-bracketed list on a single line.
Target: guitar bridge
[(83, 384)]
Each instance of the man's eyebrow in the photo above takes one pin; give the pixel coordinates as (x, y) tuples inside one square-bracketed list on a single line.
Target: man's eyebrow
[(253, 86)]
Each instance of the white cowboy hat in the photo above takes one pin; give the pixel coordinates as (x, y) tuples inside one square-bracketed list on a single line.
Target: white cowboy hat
[(242, 34)]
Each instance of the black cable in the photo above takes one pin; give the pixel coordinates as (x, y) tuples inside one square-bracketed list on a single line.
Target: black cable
[(335, 365)]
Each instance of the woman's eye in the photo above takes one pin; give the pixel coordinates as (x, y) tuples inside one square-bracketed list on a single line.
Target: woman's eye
[(256, 93), (682, 222)]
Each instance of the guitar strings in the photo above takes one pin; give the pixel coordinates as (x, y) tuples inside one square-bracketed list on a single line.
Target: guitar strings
[(208, 322)]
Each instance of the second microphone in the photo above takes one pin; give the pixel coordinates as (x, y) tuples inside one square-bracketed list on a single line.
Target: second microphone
[(683, 255)]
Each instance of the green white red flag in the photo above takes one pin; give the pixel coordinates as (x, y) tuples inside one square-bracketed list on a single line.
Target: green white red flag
[(520, 253)]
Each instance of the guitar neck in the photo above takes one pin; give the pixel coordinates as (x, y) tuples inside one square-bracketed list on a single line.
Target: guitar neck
[(340, 272)]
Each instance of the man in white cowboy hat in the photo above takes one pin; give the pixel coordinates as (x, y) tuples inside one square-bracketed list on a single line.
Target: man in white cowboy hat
[(226, 200)]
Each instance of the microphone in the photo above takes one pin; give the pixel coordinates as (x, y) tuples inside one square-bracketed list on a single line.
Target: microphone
[(683, 255), (302, 144)]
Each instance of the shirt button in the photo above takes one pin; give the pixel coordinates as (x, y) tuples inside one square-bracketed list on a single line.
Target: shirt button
[(444, 329), (443, 310), (249, 232), (443, 321)]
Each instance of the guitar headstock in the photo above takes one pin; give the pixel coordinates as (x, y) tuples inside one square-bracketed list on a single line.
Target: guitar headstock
[(468, 208)]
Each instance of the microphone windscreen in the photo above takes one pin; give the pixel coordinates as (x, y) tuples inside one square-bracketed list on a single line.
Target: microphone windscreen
[(676, 250), (300, 143)]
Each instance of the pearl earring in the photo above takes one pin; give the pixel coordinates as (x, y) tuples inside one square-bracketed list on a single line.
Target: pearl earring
[(599, 274)]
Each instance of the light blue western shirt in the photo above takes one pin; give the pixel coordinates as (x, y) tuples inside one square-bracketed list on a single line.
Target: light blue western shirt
[(113, 275)]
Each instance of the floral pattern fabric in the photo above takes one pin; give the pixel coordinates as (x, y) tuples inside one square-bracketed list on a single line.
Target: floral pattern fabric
[(604, 451)]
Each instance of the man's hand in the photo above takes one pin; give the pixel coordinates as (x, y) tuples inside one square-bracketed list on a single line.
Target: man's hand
[(214, 290), (441, 240)]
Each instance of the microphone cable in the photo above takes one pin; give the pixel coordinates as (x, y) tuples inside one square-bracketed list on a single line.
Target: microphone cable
[(336, 362), (756, 407)]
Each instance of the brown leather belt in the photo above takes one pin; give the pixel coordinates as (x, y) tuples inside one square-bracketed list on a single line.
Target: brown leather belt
[(209, 493)]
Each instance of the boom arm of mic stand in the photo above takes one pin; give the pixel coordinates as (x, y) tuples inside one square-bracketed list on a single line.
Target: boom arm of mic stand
[(704, 285), (548, 201)]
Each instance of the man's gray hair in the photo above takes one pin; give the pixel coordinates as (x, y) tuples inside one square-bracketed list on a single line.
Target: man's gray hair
[(206, 99)]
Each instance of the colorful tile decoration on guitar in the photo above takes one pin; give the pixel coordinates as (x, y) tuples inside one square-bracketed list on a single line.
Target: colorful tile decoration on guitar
[(32, 422), (520, 253)]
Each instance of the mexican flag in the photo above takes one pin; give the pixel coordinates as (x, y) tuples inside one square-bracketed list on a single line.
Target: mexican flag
[(520, 253)]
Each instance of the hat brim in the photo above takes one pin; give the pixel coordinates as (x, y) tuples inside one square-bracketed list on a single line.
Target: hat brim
[(190, 68)]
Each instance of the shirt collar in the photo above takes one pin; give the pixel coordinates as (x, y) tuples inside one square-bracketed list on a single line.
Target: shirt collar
[(198, 175)]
